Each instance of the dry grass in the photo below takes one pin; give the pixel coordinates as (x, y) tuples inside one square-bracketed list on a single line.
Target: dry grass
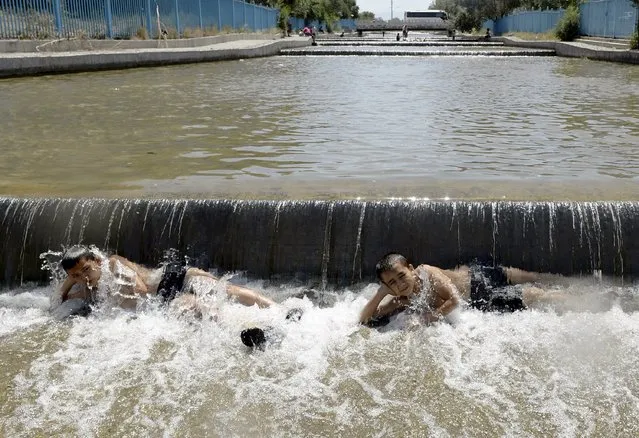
[(140, 34), (211, 31), (189, 32), (546, 36)]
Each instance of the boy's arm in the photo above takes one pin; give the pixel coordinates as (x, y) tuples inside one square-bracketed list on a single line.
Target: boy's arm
[(65, 288), (373, 309), (446, 291), (128, 278)]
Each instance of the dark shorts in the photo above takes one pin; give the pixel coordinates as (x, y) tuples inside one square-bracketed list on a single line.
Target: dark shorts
[(490, 291), (172, 281)]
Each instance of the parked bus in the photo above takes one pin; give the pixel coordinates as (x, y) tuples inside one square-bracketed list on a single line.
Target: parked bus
[(421, 16)]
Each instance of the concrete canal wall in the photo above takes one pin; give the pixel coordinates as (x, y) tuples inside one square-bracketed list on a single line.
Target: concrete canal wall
[(131, 54)]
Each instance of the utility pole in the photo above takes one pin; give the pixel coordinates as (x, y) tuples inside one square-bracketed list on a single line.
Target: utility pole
[(391, 9)]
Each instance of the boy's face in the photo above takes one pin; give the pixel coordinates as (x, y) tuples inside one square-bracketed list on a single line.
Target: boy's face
[(400, 279), (86, 272)]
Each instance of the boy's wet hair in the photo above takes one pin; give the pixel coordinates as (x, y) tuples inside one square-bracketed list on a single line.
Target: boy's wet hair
[(387, 262), (73, 255)]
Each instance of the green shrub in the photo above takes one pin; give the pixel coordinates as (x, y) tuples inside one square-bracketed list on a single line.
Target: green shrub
[(466, 21), (568, 27), (282, 19), (634, 41)]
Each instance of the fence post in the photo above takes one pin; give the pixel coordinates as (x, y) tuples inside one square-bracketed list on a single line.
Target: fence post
[(234, 24), (177, 18), (614, 19), (109, 19), (148, 19), (57, 11)]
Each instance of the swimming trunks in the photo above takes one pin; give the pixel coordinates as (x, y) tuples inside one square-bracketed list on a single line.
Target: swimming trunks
[(72, 307), (490, 291), (172, 281)]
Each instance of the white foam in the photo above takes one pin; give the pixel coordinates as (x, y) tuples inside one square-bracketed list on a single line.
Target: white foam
[(22, 309), (154, 374)]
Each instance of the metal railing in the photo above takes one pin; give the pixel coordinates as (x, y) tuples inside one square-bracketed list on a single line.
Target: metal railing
[(602, 18), (39, 19)]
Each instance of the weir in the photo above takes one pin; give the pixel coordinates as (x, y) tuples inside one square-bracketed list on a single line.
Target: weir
[(332, 242), (380, 51)]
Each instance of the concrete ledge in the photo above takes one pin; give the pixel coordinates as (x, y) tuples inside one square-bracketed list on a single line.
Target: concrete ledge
[(383, 52), (576, 50), (27, 64), (70, 45)]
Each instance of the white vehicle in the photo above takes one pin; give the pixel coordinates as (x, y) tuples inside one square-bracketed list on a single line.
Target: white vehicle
[(418, 17)]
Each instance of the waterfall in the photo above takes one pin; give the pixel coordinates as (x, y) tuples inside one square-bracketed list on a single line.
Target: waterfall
[(333, 242)]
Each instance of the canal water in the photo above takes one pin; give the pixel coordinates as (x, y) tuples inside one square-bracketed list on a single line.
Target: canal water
[(328, 127), (324, 128)]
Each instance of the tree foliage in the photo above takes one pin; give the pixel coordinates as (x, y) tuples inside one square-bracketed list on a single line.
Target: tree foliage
[(467, 13), (568, 26), (466, 21), (326, 11), (367, 16)]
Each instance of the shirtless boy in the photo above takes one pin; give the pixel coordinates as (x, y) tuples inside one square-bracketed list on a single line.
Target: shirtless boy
[(131, 281), (440, 291)]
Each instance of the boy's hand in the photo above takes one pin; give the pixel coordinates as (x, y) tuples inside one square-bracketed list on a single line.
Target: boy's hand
[(430, 317)]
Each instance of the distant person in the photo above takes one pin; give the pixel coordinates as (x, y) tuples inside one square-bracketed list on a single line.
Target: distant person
[(436, 293), (127, 282), (397, 37), (487, 36)]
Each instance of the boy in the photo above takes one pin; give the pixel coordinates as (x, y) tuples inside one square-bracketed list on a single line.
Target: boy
[(131, 282), (427, 288), (435, 292)]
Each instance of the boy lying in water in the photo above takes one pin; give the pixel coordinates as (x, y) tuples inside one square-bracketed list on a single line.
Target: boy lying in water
[(127, 283), (436, 293)]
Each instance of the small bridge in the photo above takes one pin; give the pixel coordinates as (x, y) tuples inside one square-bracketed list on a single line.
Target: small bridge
[(423, 24)]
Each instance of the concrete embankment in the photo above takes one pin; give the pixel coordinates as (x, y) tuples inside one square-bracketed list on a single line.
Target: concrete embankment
[(576, 50), (38, 57)]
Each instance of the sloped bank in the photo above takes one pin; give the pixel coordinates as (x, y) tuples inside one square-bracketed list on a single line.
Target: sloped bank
[(132, 54), (576, 50)]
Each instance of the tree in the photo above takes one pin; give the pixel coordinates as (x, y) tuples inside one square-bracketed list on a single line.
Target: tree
[(450, 6), (366, 16)]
